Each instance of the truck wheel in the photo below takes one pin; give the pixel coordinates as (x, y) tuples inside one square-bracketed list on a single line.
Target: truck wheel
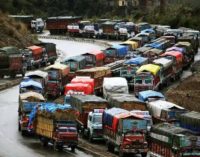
[(121, 154), (143, 154), (23, 132), (13, 75), (19, 127), (44, 143), (60, 147), (73, 148), (110, 147)]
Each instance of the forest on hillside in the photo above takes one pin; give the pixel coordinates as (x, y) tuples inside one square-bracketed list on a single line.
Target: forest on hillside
[(176, 12)]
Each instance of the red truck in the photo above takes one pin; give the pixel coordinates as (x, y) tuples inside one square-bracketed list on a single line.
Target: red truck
[(57, 78), (11, 62), (94, 59), (33, 56), (124, 132)]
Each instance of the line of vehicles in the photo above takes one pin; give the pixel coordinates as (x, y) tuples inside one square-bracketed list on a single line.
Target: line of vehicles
[(99, 103)]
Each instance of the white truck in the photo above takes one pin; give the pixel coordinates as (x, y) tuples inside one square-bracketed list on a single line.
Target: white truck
[(37, 25), (114, 85)]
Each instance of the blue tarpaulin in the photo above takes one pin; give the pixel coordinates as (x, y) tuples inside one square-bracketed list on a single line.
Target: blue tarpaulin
[(108, 115), (144, 95), (148, 31), (136, 61), (47, 107), (122, 50)]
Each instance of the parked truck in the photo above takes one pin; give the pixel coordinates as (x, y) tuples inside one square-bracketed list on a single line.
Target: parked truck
[(37, 25), (55, 123), (11, 62), (49, 54), (27, 101), (97, 73), (169, 140), (57, 78), (124, 132), (90, 118), (33, 56)]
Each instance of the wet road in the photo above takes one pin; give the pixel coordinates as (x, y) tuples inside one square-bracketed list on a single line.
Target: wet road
[(12, 144)]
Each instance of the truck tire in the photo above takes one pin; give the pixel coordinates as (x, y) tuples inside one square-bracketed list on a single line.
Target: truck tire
[(19, 127), (90, 137), (13, 75), (143, 154), (73, 148), (121, 154), (23, 132)]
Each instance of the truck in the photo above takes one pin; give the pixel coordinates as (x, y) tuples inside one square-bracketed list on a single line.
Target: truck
[(129, 68), (37, 25), (109, 30), (152, 54), (55, 124), (114, 53), (97, 73), (11, 62), (91, 109), (191, 121), (173, 141), (150, 95), (94, 58), (58, 25), (75, 63), (33, 56), (165, 111), (49, 54), (124, 132), (126, 101), (27, 101), (114, 85), (57, 78)]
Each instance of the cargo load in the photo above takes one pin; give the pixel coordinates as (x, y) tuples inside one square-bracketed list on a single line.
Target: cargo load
[(114, 85), (126, 101)]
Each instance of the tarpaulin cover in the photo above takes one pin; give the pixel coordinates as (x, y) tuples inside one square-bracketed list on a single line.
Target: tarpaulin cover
[(114, 85), (165, 62), (78, 87), (108, 115), (136, 61), (49, 108), (148, 31), (74, 58), (122, 50), (183, 43), (133, 44), (97, 53), (37, 73), (140, 114), (178, 55), (61, 67), (152, 68), (85, 80), (157, 106), (30, 83), (35, 49), (174, 48), (28, 106), (144, 95), (25, 96)]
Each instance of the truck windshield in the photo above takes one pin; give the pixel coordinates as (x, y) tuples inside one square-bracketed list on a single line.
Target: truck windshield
[(53, 75), (133, 124), (67, 129), (97, 119), (73, 66)]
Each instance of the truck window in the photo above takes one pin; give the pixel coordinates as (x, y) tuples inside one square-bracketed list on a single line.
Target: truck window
[(148, 81), (138, 81), (89, 58), (73, 66), (124, 72)]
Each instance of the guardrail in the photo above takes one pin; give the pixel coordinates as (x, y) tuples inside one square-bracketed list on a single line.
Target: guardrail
[(99, 42)]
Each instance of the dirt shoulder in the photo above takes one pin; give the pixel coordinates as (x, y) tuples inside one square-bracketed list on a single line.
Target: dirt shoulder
[(186, 93), (7, 83)]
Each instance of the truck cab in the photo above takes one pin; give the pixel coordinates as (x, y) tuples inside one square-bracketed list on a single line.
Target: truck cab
[(94, 123)]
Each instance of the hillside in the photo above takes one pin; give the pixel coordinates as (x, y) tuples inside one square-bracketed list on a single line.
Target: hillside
[(13, 33)]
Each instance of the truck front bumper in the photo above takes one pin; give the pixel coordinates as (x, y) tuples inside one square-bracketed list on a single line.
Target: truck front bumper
[(135, 150)]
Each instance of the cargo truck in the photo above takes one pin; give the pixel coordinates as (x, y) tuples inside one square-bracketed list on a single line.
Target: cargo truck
[(90, 119), (124, 132), (27, 101), (11, 62), (55, 123)]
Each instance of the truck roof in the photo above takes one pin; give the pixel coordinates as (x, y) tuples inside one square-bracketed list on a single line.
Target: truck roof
[(35, 95)]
